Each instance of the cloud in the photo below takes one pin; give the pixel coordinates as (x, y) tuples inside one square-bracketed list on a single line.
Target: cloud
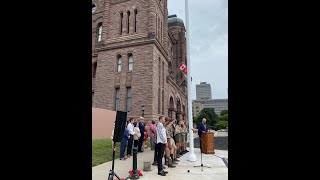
[(213, 28)]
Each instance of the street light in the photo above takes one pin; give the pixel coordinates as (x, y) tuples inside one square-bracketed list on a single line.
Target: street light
[(142, 110)]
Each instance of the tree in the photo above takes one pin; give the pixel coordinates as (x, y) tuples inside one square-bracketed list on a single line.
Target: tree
[(223, 112), (221, 125), (201, 116), (223, 117), (212, 116), (209, 114), (194, 118)]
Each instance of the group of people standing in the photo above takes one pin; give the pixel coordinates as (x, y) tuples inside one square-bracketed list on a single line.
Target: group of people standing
[(134, 134), (168, 139), (170, 143)]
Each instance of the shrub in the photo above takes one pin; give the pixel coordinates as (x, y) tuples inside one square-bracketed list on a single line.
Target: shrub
[(221, 125)]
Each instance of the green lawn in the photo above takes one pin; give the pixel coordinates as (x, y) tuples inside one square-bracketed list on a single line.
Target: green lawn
[(102, 151)]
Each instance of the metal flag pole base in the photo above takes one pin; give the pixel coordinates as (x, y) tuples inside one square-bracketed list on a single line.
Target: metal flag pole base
[(201, 158), (134, 174)]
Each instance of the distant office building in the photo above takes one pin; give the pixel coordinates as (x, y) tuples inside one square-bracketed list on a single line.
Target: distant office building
[(217, 104), (220, 105), (203, 91)]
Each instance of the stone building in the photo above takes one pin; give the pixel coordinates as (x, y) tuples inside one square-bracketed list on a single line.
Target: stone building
[(136, 51)]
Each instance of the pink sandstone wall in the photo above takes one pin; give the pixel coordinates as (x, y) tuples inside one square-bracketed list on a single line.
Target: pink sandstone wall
[(102, 123)]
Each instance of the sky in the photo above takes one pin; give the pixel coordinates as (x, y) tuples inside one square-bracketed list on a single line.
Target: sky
[(208, 42)]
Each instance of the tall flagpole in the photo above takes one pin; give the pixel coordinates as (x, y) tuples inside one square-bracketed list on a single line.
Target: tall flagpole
[(192, 156)]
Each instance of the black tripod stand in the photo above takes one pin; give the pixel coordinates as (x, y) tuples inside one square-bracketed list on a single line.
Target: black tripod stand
[(112, 173), (201, 157)]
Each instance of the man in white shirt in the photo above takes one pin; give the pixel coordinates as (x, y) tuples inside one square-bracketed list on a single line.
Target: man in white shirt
[(130, 137), (161, 143)]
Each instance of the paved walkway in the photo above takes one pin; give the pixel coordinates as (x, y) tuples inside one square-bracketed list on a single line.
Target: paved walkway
[(218, 168)]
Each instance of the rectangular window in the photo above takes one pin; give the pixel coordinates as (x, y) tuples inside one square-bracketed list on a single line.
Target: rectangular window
[(159, 28), (162, 101), (161, 31), (156, 25), (128, 21), (135, 20), (159, 103), (121, 19), (162, 74), (117, 99), (128, 99), (159, 72)]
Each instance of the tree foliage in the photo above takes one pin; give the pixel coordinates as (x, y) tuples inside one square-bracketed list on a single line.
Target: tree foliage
[(223, 117), (221, 124), (210, 116), (223, 112)]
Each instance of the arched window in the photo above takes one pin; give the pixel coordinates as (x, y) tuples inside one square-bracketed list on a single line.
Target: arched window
[(99, 32), (93, 8), (94, 70), (119, 63), (130, 62)]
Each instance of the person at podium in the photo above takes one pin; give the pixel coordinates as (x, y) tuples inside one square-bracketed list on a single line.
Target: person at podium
[(202, 128)]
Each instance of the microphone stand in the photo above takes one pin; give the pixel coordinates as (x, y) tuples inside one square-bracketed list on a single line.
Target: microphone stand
[(112, 173), (201, 157)]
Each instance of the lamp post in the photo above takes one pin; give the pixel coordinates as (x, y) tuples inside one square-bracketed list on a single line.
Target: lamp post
[(142, 110)]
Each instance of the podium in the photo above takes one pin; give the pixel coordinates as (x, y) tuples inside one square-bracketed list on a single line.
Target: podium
[(207, 142)]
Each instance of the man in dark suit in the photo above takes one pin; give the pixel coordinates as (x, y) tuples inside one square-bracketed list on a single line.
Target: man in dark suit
[(141, 127), (202, 128)]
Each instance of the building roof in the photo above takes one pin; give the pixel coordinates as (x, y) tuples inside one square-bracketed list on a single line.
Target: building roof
[(173, 19), (211, 101), (220, 100)]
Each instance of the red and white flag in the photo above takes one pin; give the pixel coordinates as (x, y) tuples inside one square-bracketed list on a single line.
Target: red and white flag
[(183, 69)]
